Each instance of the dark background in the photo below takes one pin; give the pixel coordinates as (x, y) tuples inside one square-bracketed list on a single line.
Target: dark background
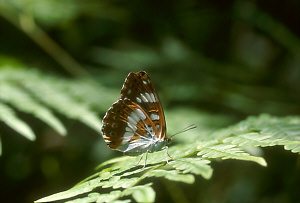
[(227, 59)]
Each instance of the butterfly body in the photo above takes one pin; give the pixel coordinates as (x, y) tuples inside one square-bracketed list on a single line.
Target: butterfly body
[(135, 124)]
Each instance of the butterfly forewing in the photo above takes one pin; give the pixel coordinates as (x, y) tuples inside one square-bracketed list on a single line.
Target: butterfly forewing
[(127, 127), (139, 88)]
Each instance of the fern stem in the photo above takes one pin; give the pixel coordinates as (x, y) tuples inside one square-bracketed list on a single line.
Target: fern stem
[(25, 22)]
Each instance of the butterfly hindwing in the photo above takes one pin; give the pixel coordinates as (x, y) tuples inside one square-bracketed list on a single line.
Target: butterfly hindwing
[(128, 128)]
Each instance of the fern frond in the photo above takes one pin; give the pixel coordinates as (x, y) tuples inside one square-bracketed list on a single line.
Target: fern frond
[(89, 93), (225, 151), (110, 197), (76, 190), (121, 176), (61, 102), (196, 166), (8, 116), (38, 94), (141, 193), (293, 147), (252, 139), (257, 139), (277, 131), (173, 175), (23, 102), (92, 197)]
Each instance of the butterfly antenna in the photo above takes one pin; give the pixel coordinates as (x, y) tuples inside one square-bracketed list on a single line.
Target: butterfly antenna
[(190, 127)]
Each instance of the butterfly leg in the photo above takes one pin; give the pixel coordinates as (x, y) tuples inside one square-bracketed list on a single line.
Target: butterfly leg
[(139, 160), (145, 159), (168, 155)]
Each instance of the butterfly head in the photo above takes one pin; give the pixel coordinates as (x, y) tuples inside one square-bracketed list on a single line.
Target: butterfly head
[(168, 140)]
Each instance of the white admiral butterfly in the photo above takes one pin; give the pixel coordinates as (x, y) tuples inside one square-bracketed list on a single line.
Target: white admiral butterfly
[(135, 124)]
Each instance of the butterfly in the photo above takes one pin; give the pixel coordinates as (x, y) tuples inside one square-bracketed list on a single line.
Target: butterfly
[(135, 124)]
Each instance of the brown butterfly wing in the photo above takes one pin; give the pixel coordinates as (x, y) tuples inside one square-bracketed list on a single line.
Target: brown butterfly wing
[(139, 88), (127, 127)]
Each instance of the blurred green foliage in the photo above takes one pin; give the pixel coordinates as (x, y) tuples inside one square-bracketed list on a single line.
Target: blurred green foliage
[(213, 63)]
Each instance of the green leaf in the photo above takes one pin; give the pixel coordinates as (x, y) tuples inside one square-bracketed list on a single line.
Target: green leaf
[(58, 100), (263, 140), (122, 176), (77, 190), (111, 182), (193, 165), (125, 182), (110, 197), (41, 91), (89, 93), (252, 139), (225, 151), (266, 130), (92, 197), (22, 101), (283, 131), (84, 187), (172, 175), (7, 115), (143, 194), (293, 147)]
